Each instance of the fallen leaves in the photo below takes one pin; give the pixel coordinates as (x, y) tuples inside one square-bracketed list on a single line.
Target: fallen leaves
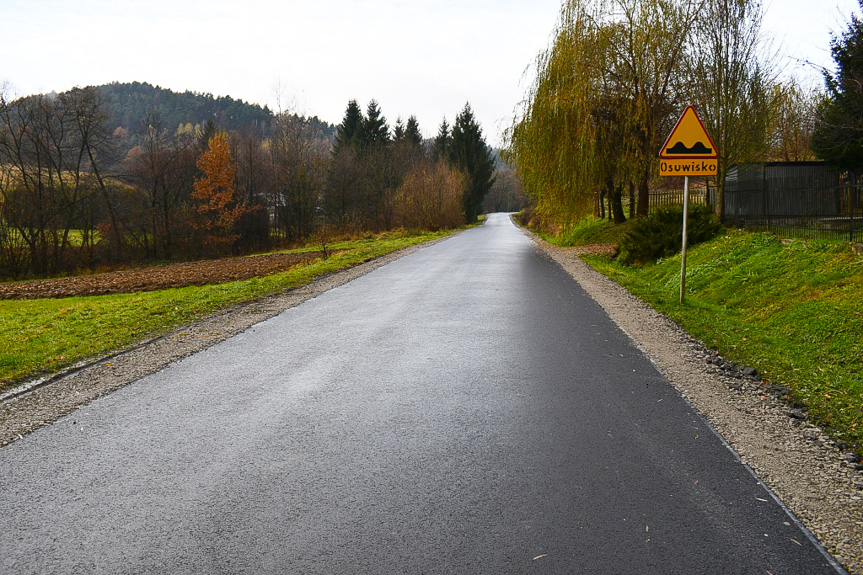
[(594, 250)]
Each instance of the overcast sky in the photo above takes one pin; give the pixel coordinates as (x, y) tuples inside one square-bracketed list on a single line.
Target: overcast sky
[(420, 57)]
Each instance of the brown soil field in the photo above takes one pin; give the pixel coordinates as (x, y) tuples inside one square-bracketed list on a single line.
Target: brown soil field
[(156, 277)]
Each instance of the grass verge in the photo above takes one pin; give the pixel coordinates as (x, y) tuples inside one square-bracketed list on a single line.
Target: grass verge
[(794, 310), (46, 335), (590, 230)]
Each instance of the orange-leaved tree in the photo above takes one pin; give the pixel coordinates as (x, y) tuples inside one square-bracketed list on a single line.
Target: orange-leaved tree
[(216, 194)]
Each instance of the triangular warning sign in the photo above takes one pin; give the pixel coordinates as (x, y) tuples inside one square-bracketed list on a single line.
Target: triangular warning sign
[(688, 140)]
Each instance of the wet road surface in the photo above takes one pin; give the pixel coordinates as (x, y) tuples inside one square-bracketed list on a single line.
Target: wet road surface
[(464, 409)]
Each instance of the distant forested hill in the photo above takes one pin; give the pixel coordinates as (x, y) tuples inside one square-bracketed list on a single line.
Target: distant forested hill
[(131, 104)]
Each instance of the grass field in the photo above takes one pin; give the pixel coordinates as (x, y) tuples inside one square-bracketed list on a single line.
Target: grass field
[(45, 335)]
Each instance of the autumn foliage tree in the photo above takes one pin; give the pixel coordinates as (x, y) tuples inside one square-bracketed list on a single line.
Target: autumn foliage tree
[(218, 206)]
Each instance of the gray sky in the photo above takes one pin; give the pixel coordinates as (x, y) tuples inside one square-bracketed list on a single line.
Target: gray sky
[(420, 57)]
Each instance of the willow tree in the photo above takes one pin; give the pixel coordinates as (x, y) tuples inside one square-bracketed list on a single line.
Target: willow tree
[(553, 141), (605, 94), (647, 45)]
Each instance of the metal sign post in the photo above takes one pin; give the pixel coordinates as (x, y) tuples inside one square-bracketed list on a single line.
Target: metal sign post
[(688, 151), (683, 250)]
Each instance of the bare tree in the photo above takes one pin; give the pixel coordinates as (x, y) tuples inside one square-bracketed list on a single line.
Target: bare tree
[(646, 44), (48, 154), (507, 194), (253, 182), (794, 122), (299, 159), (164, 171), (732, 77), (14, 258), (343, 200), (98, 145)]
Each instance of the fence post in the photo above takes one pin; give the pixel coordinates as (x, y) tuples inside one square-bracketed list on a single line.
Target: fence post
[(764, 206), (852, 205)]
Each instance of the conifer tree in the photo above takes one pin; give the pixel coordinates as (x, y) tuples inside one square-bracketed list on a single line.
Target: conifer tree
[(469, 152), (838, 134), (207, 134), (375, 129), (412, 132), (440, 146), (349, 132), (399, 130)]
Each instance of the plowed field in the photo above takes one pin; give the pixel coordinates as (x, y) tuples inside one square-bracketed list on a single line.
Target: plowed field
[(156, 277)]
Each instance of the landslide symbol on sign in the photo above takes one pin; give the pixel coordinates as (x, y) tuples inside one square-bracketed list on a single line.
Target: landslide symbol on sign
[(688, 140)]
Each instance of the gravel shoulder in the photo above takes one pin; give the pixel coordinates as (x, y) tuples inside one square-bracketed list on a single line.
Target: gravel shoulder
[(804, 467)]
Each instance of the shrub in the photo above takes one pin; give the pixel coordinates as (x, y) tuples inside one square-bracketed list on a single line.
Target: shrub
[(660, 234), (430, 197)]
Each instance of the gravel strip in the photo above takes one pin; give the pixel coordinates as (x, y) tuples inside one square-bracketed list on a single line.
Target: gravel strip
[(40, 403), (816, 479)]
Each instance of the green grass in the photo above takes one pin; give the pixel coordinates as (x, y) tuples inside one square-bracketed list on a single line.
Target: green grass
[(793, 311), (45, 335), (590, 230)]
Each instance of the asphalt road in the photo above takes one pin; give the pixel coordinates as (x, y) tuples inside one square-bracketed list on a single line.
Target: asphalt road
[(465, 409)]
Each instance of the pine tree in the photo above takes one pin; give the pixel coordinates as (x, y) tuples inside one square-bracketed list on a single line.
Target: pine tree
[(349, 132), (207, 134), (412, 132), (440, 147), (838, 136), (399, 130), (469, 152), (375, 129)]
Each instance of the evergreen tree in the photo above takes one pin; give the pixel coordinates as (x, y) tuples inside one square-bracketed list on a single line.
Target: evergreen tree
[(375, 129), (399, 130), (412, 132), (441, 143), (469, 152), (838, 134), (207, 134), (349, 133)]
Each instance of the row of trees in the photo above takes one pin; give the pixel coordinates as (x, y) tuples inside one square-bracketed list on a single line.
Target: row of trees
[(615, 79), (70, 199), (382, 178)]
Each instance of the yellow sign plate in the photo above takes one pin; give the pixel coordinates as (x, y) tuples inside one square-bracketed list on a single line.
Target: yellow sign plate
[(687, 167), (689, 150)]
